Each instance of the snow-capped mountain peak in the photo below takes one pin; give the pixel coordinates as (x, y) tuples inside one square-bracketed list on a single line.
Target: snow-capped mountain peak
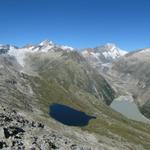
[(65, 47), (113, 49), (46, 43), (105, 53), (49, 45), (43, 47), (110, 45), (102, 55)]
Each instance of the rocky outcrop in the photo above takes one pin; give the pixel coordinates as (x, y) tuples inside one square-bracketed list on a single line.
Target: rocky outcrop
[(20, 133)]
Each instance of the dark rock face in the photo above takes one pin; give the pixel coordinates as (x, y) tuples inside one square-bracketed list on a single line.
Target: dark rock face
[(3, 145), (145, 109), (11, 82), (4, 49), (19, 133), (12, 131)]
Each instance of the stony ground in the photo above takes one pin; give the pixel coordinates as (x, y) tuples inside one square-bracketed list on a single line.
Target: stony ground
[(19, 133)]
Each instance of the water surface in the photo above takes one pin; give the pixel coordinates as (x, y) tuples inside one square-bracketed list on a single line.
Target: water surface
[(69, 116), (129, 109)]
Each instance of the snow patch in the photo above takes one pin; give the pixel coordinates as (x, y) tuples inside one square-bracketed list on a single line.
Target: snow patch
[(19, 54), (147, 50), (122, 52), (96, 55), (46, 42), (64, 47), (46, 48)]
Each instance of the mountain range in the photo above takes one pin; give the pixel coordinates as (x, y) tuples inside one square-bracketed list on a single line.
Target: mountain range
[(35, 76)]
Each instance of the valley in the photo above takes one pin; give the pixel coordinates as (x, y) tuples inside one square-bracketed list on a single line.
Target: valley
[(36, 76)]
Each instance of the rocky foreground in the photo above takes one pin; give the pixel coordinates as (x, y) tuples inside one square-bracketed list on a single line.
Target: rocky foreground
[(20, 133)]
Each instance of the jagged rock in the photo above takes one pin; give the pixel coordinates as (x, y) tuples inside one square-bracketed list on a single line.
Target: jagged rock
[(40, 125), (12, 131), (16, 129), (3, 145), (11, 82), (52, 145)]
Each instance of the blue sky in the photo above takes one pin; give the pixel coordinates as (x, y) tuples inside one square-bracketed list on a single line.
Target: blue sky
[(77, 23)]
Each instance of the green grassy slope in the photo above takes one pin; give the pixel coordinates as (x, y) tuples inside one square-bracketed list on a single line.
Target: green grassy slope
[(69, 80)]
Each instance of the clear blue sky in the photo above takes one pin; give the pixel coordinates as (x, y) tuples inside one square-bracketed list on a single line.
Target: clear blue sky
[(77, 23)]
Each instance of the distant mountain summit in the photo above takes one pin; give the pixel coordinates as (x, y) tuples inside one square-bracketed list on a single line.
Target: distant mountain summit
[(43, 47), (101, 56), (106, 53), (96, 56)]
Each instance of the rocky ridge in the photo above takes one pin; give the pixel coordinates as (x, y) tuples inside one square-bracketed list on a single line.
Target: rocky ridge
[(18, 132)]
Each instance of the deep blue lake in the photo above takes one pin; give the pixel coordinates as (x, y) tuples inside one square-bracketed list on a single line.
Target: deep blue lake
[(69, 116)]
